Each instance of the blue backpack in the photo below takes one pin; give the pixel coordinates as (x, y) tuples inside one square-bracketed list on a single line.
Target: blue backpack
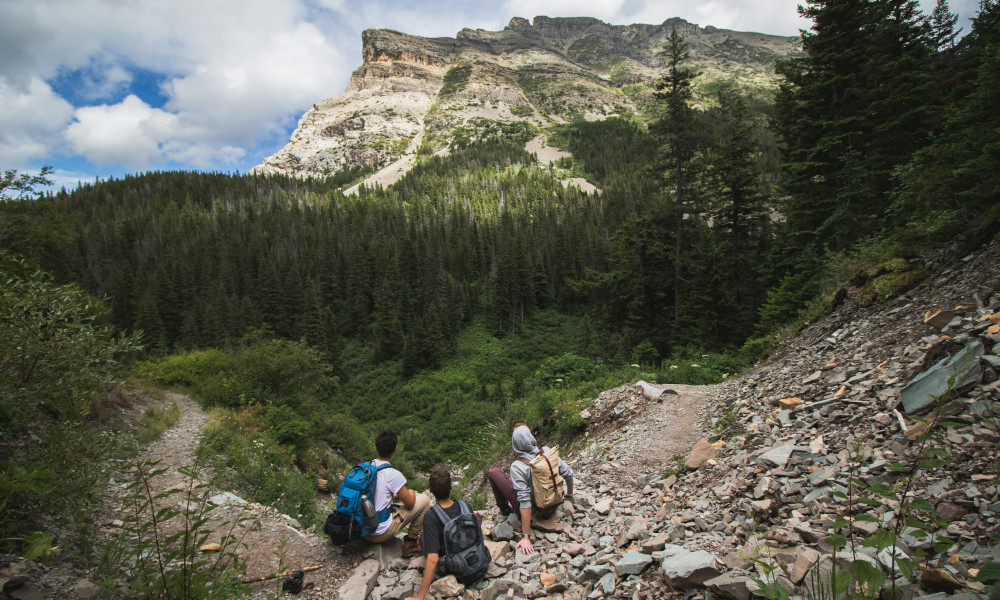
[(355, 515)]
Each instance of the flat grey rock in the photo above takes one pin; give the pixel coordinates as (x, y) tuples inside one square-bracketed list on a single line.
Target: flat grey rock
[(224, 498), (961, 370), (503, 532), (730, 585), (633, 563), (687, 569), (777, 456), (362, 582)]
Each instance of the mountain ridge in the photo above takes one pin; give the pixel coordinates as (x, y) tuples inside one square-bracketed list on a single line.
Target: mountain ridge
[(416, 96)]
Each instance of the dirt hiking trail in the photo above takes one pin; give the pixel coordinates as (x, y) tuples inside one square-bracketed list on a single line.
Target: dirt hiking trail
[(269, 541), (630, 438), (647, 438)]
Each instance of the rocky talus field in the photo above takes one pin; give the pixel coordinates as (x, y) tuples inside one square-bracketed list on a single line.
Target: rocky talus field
[(845, 399)]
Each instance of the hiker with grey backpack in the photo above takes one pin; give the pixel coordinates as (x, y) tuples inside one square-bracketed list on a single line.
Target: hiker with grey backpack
[(453, 538), (535, 486)]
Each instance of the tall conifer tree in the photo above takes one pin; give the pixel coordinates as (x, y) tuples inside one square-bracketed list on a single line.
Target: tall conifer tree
[(851, 110), (678, 136)]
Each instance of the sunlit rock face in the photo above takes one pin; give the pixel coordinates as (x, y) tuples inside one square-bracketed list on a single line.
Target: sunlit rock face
[(415, 95)]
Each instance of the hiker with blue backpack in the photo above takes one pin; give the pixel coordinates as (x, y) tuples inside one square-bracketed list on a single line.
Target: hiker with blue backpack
[(535, 485), (452, 537), (365, 508)]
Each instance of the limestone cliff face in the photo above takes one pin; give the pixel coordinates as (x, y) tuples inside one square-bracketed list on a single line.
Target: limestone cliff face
[(415, 93)]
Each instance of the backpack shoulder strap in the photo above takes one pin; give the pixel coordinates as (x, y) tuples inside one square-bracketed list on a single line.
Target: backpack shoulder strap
[(445, 519), (464, 506), (440, 513), (372, 469)]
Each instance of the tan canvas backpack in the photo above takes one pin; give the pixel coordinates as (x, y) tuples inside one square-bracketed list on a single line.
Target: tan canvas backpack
[(546, 482)]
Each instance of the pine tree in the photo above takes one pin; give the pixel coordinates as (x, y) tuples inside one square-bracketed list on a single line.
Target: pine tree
[(679, 138), (387, 331), (850, 111), (957, 177), (943, 32), (331, 344), (739, 208)]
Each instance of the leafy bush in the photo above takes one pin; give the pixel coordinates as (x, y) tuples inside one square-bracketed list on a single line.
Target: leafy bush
[(58, 359), (287, 427), (706, 370), (282, 371), (187, 369), (57, 354), (757, 348), (645, 354), (249, 460), (561, 370)]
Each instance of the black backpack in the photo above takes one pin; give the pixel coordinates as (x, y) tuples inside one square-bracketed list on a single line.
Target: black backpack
[(465, 554)]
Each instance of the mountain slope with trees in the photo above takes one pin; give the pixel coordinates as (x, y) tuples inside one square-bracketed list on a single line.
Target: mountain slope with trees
[(479, 290)]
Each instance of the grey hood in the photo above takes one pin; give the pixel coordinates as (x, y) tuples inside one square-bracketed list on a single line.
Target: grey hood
[(523, 443)]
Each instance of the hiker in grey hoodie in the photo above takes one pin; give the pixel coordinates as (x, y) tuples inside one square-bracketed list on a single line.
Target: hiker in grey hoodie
[(516, 491)]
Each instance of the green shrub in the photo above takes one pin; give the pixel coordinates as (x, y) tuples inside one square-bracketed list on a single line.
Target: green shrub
[(455, 80), (645, 354), (249, 460), (563, 369), (758, 348), (187, 369), (706, 370), (58, 360), (287, 427)]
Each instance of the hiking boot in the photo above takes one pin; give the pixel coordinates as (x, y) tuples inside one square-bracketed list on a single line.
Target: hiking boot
[(411, 548)]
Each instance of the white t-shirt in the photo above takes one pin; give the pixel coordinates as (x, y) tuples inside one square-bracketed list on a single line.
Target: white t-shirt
[(388, 482)]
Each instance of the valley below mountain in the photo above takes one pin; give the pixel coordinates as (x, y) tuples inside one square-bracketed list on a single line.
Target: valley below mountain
[(839, 413)]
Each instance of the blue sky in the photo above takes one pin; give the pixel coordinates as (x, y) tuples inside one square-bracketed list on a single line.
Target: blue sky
[(100, 88)]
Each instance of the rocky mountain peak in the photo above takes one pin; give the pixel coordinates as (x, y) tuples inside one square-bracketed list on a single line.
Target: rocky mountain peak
[(386, 45), (413, 93)]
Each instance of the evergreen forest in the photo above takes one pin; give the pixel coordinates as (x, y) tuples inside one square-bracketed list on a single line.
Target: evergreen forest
[(479, 290)]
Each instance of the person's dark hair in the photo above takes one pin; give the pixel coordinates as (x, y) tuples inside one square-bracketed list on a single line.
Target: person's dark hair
[(440, 483), (385, 443)]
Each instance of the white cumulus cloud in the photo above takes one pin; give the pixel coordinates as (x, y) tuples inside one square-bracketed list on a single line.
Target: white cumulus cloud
[(235, 73), (130, 133), (139, 136), (31, 119)]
